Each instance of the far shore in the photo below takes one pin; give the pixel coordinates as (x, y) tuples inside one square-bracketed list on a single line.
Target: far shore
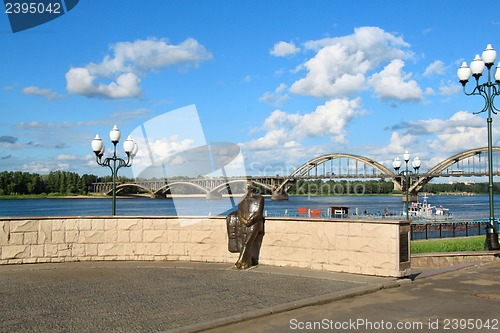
[(147, 195), (100, 196)]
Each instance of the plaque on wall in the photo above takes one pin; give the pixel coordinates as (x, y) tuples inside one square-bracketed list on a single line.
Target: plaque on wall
[(404, 253)]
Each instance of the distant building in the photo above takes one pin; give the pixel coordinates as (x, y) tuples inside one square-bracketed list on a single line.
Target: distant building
[(466, 182)]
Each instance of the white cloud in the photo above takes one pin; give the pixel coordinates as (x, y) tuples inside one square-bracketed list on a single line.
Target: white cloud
[(461, 132), (392, 83), (340, 65), (429, 91), (128, 62), (437, 139), (248, 78), (437, 67), (67, 157), (36, 91), (367, 38), (284, 49), (288, 130), (161, 148), (449, 88), (398, 144), (275, 98), (433, 140), (150, 54), (80, 81), (45, 166), (133, 114)]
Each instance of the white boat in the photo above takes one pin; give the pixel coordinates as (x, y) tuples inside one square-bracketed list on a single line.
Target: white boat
[(423, 210)]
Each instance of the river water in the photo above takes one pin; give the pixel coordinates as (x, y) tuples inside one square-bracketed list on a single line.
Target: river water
[(462, 207)]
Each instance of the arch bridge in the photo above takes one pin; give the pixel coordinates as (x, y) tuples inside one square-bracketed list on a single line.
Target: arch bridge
[(212, 188), (470, 163)]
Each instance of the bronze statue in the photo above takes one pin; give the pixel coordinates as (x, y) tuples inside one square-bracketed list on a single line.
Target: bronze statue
[(245, 228)]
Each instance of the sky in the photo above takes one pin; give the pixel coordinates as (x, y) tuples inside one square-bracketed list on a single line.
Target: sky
[(285, 81)]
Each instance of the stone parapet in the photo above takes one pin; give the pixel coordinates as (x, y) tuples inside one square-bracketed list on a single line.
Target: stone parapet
[(378, 247), (448, 259)]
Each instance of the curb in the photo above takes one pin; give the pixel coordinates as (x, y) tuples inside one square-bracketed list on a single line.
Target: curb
[(312, 301)]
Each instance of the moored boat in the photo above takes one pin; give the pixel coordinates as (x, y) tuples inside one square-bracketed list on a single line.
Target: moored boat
[(424, 210)]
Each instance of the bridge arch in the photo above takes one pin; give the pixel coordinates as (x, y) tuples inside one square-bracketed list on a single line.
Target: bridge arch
[(120, 187), (313, 163), (170, 185), (223, 186), (437, 170)]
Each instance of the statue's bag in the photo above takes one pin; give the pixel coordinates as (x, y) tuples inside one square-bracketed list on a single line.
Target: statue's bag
[(236, 232)]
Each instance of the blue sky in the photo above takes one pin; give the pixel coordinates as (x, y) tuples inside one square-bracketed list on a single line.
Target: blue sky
[(285, 80)]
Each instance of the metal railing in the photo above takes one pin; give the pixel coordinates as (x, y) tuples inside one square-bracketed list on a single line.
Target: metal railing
[(428, 230), (419, 229)]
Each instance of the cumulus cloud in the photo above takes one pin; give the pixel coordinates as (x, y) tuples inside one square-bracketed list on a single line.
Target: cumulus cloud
[(437, 67), (284, 49), (442, 137), (449, 88), (67, 157), (275, 98), (393, 84), (81, 81), (399, 143), (433, 140), (340, 65), (458, 120), (44, 127), (133, 114), (161, 148), (462, 131), (128, 62), (288, 130), (39, 166), (36, 91)]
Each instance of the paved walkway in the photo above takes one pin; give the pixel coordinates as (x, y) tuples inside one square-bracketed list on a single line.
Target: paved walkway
[(189, 297), (464, 300)]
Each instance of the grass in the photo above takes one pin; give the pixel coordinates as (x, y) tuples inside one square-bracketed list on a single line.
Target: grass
[(476, 243)]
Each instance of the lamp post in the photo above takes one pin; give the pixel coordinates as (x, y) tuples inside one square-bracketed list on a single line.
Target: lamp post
[(416, 166), (130, 147), (488, 90)]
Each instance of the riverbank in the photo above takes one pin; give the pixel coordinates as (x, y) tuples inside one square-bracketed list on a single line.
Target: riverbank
[(53, 196), (99, 196), (147, 195)]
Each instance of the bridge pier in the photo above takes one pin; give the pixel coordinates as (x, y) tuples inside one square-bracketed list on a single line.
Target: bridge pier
[(214, 196), (158, 195), (412, 197), (281, 195)]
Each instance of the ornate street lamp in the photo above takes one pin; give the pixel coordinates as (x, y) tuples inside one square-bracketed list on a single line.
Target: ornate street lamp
[(488, 90), (396, 164), (130, 147)]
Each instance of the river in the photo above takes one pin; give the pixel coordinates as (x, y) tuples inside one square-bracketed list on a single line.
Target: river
[(462, 207)]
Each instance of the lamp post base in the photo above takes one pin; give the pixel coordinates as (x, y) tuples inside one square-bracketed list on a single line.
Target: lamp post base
[(492, 238)]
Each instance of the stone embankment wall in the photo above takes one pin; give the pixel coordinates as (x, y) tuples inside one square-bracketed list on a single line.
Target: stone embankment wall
[(353, 246), (448, 259)]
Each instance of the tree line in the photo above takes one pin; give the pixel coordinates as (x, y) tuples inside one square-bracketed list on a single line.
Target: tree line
[(71, 183), (53, 183)]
